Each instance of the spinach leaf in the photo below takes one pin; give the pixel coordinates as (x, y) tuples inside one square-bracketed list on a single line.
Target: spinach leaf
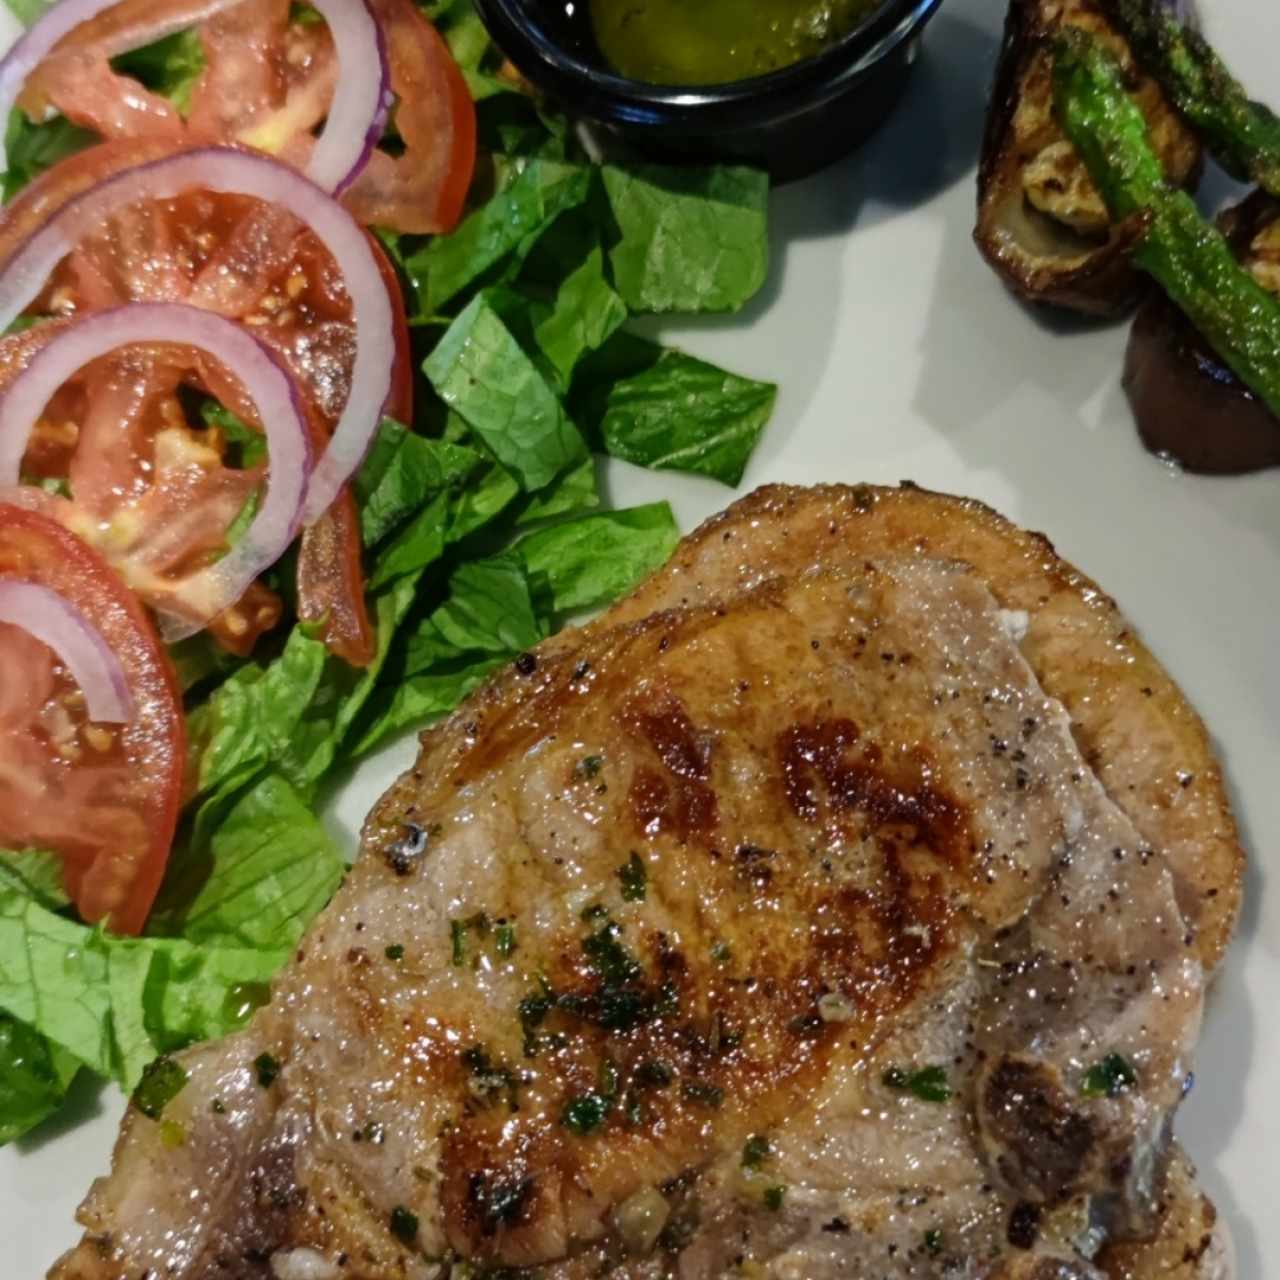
[(486, 619), (690, 239)]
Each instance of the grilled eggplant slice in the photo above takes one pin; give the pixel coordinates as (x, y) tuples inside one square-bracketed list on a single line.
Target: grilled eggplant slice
[(1187, 404), (1042, 224)]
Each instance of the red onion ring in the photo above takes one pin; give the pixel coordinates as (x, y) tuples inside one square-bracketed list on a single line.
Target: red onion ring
[(226, 170), (79, 646), (360, 101), (209, 590)]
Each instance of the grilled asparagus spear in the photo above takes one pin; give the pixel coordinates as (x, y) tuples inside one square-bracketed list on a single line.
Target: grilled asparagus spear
[(1188, 257), (1243, 136)]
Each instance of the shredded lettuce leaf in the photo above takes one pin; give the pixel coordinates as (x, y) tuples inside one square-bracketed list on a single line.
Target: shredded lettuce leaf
[(536, 195), (31, 148), (34, 1078), (481, 371), (660, 408), (587, 562), (112, 1003), (257, 866), (170, 66), (482, 530), (691, 239)]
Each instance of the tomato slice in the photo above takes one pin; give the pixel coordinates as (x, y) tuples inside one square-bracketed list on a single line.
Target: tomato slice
[(424, 189), (105, 798), (267, 83), (247, 260), (154, 493)]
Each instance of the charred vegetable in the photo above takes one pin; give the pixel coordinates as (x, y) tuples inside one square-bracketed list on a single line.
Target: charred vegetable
[(1243, 136), (1042, 224), (1190, 259), (1185, 400)]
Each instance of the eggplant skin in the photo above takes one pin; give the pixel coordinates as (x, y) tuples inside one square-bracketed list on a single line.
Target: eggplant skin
[(1074, 256), (1186, 403)]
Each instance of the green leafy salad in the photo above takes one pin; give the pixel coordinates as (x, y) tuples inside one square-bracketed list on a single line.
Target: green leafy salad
[(483, 527)]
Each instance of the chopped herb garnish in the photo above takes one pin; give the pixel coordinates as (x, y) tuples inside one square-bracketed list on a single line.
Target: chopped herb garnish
[(929, 1084), (488, 1079), (608, 1079), (267, 1068), (668, 1002), (653, 1073), (458, 930), (588, 767), (635, 879), (218, 1107), (404, 1224), (722, 953), (395, 952), (755, 1151), (533, 1009), (609, 958), (585, 1113), (593, 913), (702, 1094), (933, 1242), (774, 1196), (504, 939), (1109, 1078), (161, 1082)]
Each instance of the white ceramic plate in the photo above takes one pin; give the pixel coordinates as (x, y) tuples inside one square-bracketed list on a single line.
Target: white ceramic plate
[(900, 356)]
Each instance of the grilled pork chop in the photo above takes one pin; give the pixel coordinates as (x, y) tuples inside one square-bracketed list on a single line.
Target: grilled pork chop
[(786, 932)]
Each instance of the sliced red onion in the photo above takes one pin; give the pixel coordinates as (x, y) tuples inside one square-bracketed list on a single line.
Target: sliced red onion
[(80, 646), (224, 169), (59, 20), (361, 100), (210, 590)]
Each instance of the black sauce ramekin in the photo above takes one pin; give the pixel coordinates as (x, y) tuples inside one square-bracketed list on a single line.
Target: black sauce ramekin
[(790, 121)]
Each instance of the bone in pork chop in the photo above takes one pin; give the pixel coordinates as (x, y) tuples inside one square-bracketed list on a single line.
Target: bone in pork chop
[(790, 935)]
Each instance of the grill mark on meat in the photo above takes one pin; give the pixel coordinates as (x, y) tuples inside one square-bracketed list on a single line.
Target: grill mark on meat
[(684, 803), (900, 797), (1043, 1146)]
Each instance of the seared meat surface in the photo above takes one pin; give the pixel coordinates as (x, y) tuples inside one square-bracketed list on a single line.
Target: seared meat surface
[(787, 932)]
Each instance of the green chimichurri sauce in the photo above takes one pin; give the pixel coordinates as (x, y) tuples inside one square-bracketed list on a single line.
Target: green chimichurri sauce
[(716, 41)]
